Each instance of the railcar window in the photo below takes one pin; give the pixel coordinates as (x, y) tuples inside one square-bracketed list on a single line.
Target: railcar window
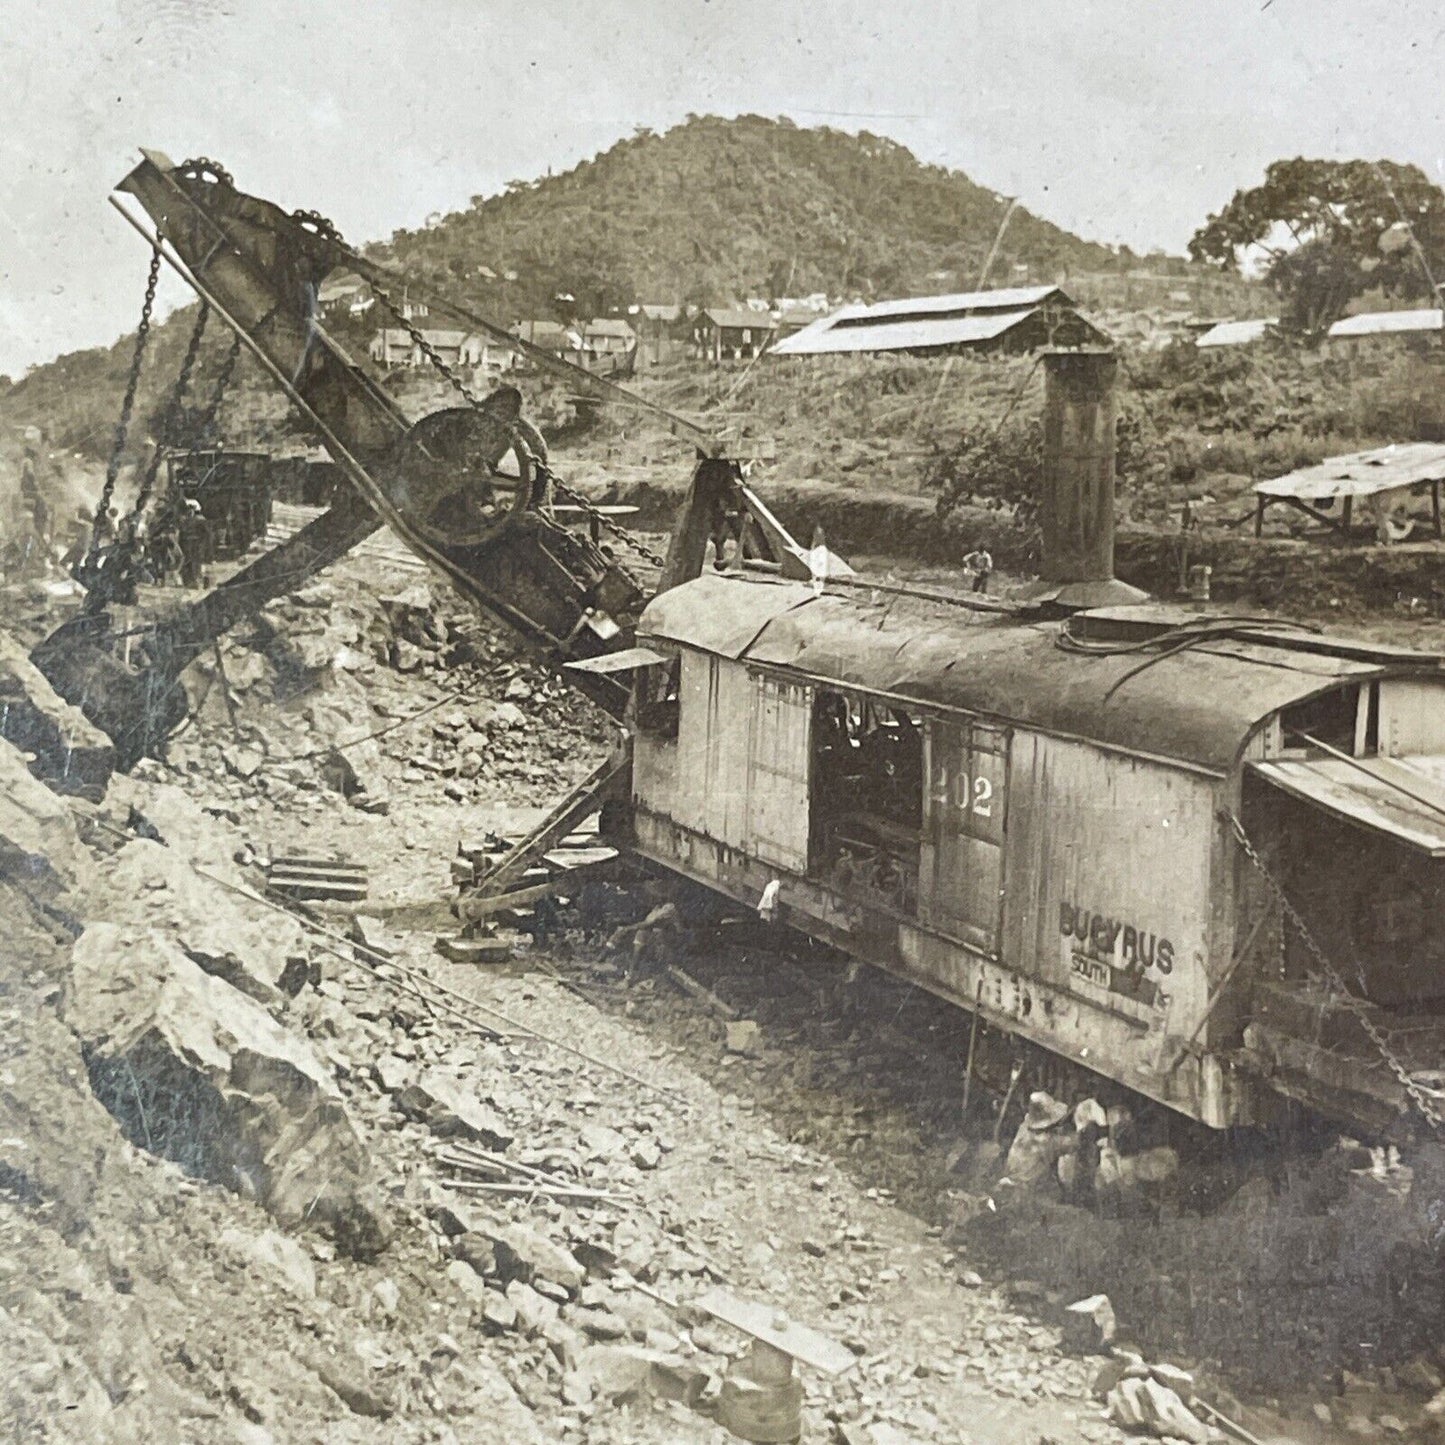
[(865, 828), (1329, 718), (658, 698)]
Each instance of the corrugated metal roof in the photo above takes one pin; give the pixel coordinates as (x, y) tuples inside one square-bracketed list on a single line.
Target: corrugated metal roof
[(1237, 333), (824, 337), (1361, 474), (1006, 298), (1384, 323), (1198, 706), (609, 326), (1388, 795)]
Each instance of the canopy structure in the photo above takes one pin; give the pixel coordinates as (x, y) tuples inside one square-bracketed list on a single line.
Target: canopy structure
[(1372, 475), (1386, 323), (1237, 333), (1401, 797)]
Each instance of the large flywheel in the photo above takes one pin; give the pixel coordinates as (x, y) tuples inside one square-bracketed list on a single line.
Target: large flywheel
[(449, 475)]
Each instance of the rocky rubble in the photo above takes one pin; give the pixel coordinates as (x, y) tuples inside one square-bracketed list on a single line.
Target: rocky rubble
[(794, 1152)]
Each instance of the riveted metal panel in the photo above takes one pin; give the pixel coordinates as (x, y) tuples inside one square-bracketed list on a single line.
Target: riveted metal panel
[(781, 738), (1108, 862), (965, 816)]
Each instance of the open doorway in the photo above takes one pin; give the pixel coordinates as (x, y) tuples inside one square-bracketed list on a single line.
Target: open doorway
[(866, 814)]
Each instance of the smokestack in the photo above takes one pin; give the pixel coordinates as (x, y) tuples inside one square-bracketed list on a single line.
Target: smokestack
[(1077, 501)]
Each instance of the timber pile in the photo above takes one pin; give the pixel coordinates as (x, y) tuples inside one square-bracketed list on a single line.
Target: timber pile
[(511, 881), (317, 878)]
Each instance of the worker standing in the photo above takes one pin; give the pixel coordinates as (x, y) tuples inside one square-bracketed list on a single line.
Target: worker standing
[(980, 563), (195, 542)]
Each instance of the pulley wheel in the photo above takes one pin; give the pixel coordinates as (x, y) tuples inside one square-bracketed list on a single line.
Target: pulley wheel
[(446, 477)]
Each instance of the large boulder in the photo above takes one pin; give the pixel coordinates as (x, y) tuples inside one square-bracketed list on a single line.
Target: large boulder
[(196, 1071), (229, 935), (67, 752), (40, 852), (165, 814)]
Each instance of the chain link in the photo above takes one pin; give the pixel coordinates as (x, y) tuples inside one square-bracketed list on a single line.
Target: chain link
[(1421, 1097), (629, 539), (114, 576), (127, 405), (172, 412)]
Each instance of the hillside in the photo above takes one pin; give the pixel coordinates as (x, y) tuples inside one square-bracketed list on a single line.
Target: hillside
[(712, 210), (716, 209)]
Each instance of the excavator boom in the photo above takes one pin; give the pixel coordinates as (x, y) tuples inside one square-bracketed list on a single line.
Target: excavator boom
[(436, 482)]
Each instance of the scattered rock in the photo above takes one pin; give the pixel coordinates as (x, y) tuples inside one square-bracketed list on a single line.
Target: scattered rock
[(242, 762), (1145, 1404), (533, 1312), (453, 1215), (477, 1252), (646, 1153), (743, 1036), (600, 1324), (391, 1073), (347, 1379), (468, 1282), (440, 1101), (277, 1256), (67, 752), (618, 1373), (499, 1314), (525, 1255), (1089, 1325)]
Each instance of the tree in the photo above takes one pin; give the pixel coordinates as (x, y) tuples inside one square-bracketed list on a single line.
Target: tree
[(1329, 231)]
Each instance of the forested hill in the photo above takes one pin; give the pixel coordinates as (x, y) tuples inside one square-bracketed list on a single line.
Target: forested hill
[(718, 209), (712, 211)]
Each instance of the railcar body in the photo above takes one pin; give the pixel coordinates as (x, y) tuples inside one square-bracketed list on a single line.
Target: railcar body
[(1037, 818)]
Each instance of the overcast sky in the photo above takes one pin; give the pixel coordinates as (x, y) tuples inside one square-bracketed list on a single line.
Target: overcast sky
[(1124, 120)]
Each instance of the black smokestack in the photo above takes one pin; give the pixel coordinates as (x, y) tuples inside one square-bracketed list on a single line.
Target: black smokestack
[(1076, 509)]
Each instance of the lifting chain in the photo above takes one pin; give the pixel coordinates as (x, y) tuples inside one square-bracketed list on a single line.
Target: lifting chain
[(172, 413), (113, 578), (1423, 1099), (127, 405)]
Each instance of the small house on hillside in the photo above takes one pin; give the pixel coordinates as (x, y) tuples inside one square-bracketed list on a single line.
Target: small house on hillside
[(725, 334), (656, 321), (1238, 333), (1021, 318), (1371, 324), (393, 346), (551, 336), (608, 336), (792, 318), (344, 292)]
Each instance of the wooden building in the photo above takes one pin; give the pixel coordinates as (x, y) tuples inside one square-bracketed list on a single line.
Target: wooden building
[(728, 334)]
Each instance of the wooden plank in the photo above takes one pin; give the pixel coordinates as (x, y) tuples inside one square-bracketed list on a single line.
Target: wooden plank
[(764, 1322), (561, 821), (475, 907), (473, 950), (569, 858)]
